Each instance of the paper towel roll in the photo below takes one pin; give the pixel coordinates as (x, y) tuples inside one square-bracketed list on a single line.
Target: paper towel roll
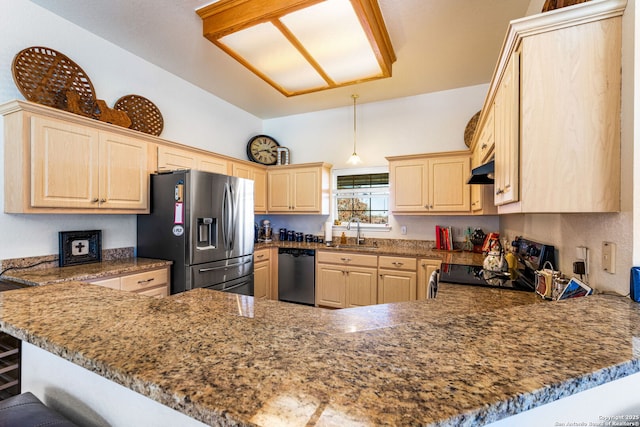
[(328, 231)]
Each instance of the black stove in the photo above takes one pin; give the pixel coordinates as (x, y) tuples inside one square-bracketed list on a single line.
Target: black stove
[(530, 256)]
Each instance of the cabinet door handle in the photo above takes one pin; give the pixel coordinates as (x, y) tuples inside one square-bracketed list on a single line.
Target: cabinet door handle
[(95, 201), (259, 256), (500, 191), (142, 282), (103, 200), (345, 259), (506, 187), (483, 146), (398, 263)]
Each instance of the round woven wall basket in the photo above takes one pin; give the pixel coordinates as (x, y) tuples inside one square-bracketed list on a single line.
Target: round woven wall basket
[(48, 77), (470, 129), (145, 116)]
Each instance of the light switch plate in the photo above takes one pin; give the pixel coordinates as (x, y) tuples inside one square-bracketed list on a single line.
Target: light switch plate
[(609, 257)]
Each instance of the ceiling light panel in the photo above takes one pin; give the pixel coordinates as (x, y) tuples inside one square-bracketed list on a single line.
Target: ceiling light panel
[(302, 46), (267, 50), (332, 34)]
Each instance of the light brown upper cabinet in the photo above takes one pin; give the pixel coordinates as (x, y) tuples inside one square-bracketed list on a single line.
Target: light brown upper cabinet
[(57, 162), (557, 149), (507, 135), (259, 176), (174, 158), (430, 183), (303, 188)]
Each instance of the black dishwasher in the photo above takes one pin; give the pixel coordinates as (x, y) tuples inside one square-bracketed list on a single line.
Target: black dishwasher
[(297, 275)]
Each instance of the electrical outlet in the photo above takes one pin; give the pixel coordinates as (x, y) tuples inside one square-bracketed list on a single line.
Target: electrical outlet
[(609, 257), (403, 229)]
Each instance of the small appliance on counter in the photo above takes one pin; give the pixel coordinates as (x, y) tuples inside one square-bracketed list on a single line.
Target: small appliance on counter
[(495, 260), (266, 231), (477, 239)]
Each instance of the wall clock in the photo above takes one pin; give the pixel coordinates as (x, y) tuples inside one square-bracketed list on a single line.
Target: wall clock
[(263, 149)]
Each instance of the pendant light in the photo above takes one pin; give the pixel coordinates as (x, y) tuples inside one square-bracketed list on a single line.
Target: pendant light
[(354, 159)]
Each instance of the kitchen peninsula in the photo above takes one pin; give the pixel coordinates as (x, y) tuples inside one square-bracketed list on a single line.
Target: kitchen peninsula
[(227, 359)]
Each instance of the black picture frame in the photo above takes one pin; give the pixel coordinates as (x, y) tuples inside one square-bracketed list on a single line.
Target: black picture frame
[(79, 247)]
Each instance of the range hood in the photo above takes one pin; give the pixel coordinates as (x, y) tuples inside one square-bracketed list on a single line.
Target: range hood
[(483, 174)]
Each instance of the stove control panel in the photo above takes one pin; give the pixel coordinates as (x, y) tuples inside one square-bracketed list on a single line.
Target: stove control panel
[(534, 254)]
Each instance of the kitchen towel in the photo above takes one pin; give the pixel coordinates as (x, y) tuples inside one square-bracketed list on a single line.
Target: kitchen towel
[(328, 230)]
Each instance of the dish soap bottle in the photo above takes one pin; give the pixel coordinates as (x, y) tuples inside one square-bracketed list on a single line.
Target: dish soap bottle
[(343, 239)]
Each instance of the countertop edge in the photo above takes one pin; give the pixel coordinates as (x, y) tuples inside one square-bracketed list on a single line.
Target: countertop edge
[(500, 410), (111, 268)]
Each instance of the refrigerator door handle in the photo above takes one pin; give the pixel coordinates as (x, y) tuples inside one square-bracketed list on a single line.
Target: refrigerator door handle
[(204, 270), (225, 216), (232, 218)]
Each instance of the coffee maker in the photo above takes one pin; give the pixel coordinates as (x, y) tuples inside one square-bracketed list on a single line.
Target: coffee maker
[(266, 231)]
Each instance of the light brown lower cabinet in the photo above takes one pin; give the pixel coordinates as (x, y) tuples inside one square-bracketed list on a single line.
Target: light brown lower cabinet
[(346, 279), (262, 274), (155, 283), (354, 279), (396, 279), (426, 267)]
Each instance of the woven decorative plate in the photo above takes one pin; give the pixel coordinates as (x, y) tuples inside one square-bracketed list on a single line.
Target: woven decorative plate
[(470, 129), (50, 78), (145, 116)]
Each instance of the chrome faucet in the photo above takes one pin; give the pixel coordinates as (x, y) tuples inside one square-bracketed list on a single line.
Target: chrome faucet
[(359, 238)]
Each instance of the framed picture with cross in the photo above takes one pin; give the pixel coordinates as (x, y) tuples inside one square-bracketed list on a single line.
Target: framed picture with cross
[(79, 247)]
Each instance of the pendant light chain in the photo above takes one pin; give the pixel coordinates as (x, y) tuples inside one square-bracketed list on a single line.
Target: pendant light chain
[(354, 159), (354, 122)]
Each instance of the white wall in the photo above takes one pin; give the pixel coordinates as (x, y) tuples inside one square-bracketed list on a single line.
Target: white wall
[(191, 116), (418, 124)]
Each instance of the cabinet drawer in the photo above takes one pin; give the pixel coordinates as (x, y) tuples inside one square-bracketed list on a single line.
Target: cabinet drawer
[(261, 255), (347, 258), (397, 263), (155, 292), (146, 280), (113, 283)]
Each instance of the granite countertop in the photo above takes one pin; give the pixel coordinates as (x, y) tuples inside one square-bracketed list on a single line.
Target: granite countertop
[(93, 271), (396, 247), (470, 356)]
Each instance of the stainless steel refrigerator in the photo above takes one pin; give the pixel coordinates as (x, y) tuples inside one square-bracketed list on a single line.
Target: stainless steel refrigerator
[(204, 223)]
